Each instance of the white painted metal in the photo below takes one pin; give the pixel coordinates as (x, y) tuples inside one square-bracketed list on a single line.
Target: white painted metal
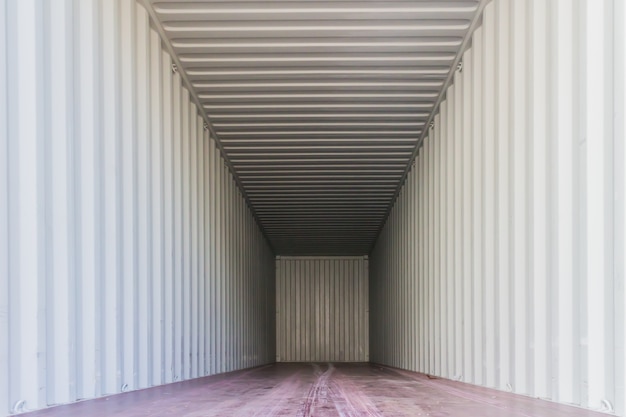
[(114, 209), (318, 106), (517, 222), (128, 255), (322, 309), (5, 296), (619, 53)]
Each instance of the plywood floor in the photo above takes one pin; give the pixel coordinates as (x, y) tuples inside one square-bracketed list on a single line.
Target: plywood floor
[(318, 390)]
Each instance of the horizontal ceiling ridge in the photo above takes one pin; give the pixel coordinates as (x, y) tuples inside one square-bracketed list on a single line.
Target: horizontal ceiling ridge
[(317, 107)]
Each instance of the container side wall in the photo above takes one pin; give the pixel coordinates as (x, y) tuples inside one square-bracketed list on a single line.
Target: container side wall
[(512, 275), (322, 309), (114, 271)]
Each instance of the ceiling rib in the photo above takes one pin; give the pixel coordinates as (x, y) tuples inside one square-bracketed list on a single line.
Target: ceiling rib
[(318, 107)]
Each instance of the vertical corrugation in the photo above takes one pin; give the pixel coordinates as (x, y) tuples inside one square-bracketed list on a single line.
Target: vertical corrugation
[(490, 166), (88, 328), (193, 245), (210, 277), (596, 184), (57, 212), (565, 177), (478, 219), (142, 371), (5, 289), (211, 251), (468, 344), (620, 162), (117, 274), (322, 309), (127, 209), (224, 264), (185, 291), (515, 261), (24, 253), (168, 220), (520, 260), (111, 196), (539, 207), (177, 277), (157, 225), (448, 354), (203, 140), (219, 287), (503, 174)]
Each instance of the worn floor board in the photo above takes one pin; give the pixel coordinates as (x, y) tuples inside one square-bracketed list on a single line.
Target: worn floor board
[(317, 390)]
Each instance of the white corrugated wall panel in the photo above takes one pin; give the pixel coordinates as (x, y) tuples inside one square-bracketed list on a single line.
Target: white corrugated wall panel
[(619, 14), (322, 309), (114, 209), (515, 275)]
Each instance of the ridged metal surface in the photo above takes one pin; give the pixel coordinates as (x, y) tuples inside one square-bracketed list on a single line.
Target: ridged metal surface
[(322, 309), (503, 261), (128, 257), (318, 105)]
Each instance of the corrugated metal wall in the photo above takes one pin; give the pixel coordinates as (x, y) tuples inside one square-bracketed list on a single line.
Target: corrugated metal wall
[(322, 309), (502, 263), (128, 258)]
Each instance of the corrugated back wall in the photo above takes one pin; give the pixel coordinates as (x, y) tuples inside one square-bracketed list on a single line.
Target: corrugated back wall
[(128, 257), (503, 261), (322, 309)]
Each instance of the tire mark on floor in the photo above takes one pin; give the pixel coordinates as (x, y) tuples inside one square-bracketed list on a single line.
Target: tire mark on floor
[(318, 391)]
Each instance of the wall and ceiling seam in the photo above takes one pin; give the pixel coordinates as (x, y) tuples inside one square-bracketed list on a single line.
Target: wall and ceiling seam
[(465, 44), (154, 20)]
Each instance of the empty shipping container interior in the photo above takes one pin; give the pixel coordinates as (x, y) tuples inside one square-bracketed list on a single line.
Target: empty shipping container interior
[(189, 188)]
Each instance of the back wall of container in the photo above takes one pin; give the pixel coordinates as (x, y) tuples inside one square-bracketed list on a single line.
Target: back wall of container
[(128, 257), (322, 309), (502, 263)]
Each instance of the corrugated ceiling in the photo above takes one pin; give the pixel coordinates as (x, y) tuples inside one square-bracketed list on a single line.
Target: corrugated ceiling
[(318, 105)]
